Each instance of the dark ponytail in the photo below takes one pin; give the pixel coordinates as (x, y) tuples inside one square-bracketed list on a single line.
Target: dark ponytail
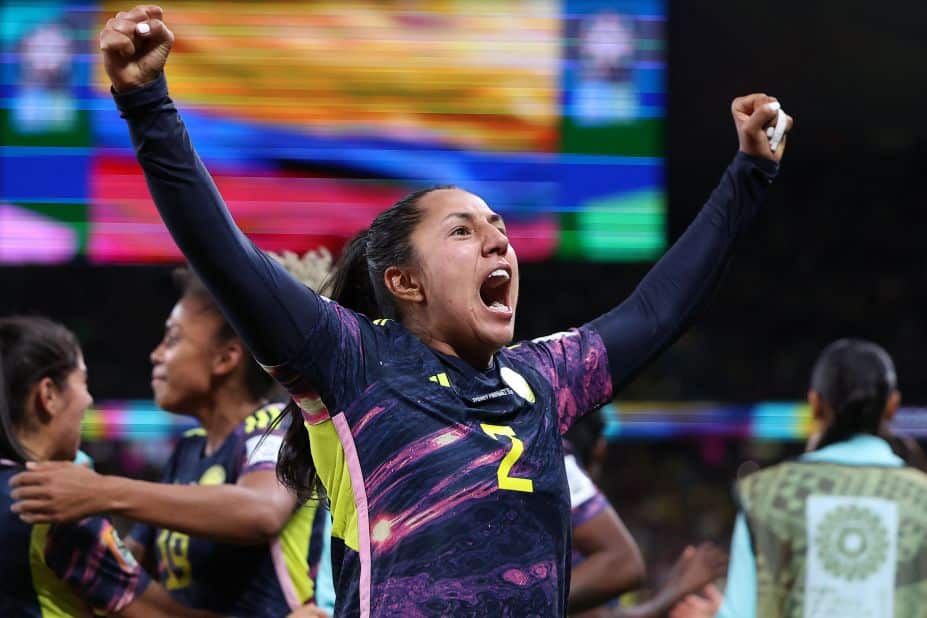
[(855, 378), (31, 349), (349, 284), (356, 284)]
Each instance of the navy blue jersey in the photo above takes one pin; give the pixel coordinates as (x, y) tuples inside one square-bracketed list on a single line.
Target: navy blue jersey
[(257, 580), (71, 569), (447, 483)]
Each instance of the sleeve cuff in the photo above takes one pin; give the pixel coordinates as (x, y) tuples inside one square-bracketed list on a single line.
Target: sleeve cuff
[(150, 93), (767, 167)]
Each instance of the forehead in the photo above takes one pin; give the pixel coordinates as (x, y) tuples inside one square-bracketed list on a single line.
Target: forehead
[(442, 202), (191, 312)]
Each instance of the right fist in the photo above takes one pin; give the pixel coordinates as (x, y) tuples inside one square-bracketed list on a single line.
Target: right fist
[(135, 46)]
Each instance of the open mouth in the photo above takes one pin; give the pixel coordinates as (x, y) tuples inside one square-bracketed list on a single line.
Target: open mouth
[(494, 292)]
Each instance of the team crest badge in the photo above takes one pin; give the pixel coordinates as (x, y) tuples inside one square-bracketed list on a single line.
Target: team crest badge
[(214, 475), (517, 383)]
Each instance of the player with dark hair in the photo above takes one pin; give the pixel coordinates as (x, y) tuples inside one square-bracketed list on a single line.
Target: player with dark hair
[(222, 533), (441, 456), (66, 569), (839, 531)]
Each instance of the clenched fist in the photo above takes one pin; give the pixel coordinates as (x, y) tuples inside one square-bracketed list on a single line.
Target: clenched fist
[(753, 115), (135, 46)]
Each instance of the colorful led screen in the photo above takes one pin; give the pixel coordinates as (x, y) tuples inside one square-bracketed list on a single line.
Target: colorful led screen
[(313, 117)]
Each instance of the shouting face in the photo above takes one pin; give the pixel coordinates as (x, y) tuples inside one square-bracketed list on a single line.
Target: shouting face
[(465, 276)]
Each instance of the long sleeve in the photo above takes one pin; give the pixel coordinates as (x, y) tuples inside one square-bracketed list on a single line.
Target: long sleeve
[(272, 312), (740, 594), (664, 303)]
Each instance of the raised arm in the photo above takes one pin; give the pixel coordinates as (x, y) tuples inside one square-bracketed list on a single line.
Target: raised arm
[(664, 303), (269, 309)]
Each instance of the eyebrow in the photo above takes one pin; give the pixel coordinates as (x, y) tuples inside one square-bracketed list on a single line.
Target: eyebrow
[(493, 218)]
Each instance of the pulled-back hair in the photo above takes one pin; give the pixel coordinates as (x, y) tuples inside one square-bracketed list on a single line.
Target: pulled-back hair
[(257, 382), (358, 279), (31, 349), (357, 284), (855, 378)]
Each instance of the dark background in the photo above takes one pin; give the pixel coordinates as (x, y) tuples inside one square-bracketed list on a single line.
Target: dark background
[(837, 252)]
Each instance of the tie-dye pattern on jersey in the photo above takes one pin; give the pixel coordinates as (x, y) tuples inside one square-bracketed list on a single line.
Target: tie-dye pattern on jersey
[(70, 569), (455, 476)]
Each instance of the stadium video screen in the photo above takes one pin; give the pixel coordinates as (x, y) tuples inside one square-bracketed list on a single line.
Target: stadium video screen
[(313, 117)]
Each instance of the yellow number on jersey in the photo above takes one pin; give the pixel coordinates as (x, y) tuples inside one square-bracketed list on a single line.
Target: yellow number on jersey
[(174, 548), (262, 418), (518, 448)]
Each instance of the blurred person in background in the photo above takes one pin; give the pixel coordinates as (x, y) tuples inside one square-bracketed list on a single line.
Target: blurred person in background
[(437, 508), (840, 530), (62, 569), (607, 561), (220, 531)]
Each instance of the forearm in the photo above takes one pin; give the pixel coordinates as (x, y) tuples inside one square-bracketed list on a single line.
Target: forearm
[(664, 303), (601, 577), (247, 516), (266, 306)]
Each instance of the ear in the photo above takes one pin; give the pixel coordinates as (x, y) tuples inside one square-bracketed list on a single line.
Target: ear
[(46, 398), (229, 356), (891, 406), (820, 414), (404, 284), (819, 411)]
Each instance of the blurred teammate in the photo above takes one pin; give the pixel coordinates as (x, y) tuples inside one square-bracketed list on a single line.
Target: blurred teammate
[(439, 447), (839, 531), (220, 529), (606, 559), (65, 569)]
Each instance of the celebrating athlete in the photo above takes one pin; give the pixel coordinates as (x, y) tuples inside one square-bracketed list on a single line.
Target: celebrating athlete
[(220, 531), (439, 448)]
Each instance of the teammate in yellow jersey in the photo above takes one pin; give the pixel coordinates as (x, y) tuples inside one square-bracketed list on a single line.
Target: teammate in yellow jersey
[(65, 569), (220, 531)]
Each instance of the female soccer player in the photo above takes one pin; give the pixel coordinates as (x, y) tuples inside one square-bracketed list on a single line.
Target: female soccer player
[(441, 456), (68, 569), (224, 534), (838, 532)]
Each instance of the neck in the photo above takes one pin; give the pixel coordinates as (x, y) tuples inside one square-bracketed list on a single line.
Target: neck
[(477, 356), (478, 359), (222, 414), (36, 447)]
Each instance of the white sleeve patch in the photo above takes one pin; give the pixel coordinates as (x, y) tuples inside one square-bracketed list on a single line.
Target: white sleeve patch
[(581, 486), (262, 449), (556, 336)]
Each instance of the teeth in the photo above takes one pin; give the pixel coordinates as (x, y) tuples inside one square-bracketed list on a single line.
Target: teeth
[(497, 306), (499, 272)]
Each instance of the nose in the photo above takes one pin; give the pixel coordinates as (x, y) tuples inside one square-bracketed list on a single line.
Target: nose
[(495, 241), (155, 356)]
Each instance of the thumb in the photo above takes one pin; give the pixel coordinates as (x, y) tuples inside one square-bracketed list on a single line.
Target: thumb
[(762, 116)]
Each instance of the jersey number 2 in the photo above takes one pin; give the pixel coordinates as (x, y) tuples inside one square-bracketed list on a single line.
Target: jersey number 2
[(511, 483)]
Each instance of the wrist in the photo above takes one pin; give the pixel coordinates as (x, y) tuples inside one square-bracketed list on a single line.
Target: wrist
[(109, 497)]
